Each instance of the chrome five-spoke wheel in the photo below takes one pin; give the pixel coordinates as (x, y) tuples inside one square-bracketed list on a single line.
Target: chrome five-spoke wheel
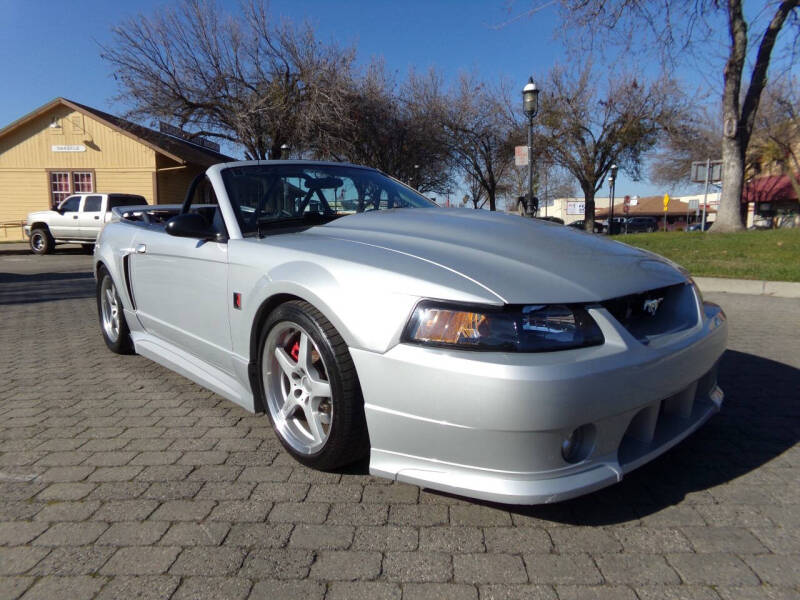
[(297, 389), (109, 308), (309, 387), (112, 319)]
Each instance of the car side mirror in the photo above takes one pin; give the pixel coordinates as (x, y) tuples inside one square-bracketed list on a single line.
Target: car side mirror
[(191, 225)]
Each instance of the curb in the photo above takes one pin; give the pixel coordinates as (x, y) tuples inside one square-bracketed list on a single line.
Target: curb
[(752, 287)]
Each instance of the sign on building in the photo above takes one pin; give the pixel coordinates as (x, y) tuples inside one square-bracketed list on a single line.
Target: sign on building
[(521, 156), (576, 208), (68, 148)]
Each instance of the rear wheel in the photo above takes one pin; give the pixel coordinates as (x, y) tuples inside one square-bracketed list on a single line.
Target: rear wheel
[(310, 388), (112, 319), (41, 241)]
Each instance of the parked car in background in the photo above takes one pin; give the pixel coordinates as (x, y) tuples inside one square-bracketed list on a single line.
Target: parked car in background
[(617, 227), (581, 224), (78, 219), (699, 226), (463, 350), (552, 220), (642, 224)]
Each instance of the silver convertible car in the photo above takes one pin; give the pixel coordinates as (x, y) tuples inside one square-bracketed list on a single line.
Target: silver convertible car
[(482, 354)]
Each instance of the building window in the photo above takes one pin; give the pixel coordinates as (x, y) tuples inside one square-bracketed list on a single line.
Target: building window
[(82, 182), (59, 187)]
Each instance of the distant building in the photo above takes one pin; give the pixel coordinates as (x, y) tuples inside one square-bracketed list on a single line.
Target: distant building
[(65, 148)]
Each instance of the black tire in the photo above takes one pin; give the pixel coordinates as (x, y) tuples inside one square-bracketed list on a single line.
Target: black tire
[(117, 339), (347, 438), (88, 248), (41, 241)]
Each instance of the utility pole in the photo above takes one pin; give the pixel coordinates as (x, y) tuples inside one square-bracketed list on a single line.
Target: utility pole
[(705, 197)]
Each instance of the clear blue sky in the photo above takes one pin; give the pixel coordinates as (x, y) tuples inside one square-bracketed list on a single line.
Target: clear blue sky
[(50, 48)]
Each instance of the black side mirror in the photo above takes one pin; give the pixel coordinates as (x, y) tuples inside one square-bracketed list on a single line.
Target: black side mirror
[(191, 225)]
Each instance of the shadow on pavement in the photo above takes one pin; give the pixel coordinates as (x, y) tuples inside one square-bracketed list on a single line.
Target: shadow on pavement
[(65, 250), (44, 287), (758, 422)]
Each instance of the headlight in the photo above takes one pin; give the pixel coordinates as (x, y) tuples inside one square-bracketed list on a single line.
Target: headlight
[(529, 328)]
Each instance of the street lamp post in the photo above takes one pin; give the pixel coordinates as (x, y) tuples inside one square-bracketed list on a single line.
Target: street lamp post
[(285, 151), (530, 106), (612, 179)]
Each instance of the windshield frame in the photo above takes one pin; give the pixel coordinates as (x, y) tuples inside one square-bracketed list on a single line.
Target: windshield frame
[(377, 191)]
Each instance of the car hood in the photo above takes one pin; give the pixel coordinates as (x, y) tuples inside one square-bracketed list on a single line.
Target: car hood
[(520, 260), (40, 215)]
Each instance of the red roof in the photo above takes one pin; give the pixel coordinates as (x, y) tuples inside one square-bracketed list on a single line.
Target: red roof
[(772, 188)]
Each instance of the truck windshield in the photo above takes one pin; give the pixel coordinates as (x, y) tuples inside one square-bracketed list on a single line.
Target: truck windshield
[(273, 194)]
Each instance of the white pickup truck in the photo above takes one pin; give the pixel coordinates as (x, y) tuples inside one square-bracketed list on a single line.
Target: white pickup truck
[(78, 219)]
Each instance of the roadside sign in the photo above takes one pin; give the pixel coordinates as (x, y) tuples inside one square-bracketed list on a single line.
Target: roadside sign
[(666, 202), (576, 208), (712, 167), (521, 156)]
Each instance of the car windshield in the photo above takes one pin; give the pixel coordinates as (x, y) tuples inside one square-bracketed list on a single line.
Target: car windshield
[(282, 194)]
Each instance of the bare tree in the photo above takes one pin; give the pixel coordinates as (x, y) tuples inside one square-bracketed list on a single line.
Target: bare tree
[(675, 26), (391, 126), (588, 129), (696, 136), (478, 132), (776, 137), (244, 79)]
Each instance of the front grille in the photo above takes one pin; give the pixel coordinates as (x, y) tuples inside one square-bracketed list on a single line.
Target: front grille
[(672, 309)]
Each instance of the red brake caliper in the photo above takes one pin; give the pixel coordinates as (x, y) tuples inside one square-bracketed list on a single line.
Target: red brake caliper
[(295, 351)]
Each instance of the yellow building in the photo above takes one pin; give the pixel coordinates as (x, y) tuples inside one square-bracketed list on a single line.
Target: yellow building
[(64, 148)]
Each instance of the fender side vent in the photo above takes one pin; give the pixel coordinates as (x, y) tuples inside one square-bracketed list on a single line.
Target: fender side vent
[(126, 269)]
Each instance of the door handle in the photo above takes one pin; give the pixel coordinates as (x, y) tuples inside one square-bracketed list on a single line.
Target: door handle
[(75, 216), (97, 218), (141, 248)]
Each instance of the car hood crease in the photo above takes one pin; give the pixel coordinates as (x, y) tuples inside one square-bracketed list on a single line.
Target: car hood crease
[(520, 260)]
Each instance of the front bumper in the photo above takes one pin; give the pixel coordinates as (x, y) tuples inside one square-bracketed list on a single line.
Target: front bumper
[(491, 425)]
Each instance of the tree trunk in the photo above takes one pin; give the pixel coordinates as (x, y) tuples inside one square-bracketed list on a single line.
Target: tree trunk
[(729, 214), (588, 210)]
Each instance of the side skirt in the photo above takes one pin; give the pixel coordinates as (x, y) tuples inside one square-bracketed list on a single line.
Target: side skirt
[(191, 367)]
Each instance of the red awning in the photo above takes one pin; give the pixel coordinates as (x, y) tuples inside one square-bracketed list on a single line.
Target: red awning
[(772, 188)]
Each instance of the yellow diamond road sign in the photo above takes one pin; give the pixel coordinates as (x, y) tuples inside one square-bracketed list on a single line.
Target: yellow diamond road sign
[(666, 202)]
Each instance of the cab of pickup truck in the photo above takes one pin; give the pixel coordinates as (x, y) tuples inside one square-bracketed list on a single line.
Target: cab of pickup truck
[(77, 219)]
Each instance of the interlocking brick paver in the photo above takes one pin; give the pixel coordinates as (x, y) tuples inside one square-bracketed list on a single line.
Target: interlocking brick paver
[(346, 565), (290, 590), (208, 561), (70, 534), (133, 533), (142, 587), (123, 480), (489, 568), (145, 560)]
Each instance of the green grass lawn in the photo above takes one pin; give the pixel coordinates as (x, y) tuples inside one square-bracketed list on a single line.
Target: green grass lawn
[(773, 255)]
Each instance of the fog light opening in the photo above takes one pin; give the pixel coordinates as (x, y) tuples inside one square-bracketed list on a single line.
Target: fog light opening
[(578, 444)]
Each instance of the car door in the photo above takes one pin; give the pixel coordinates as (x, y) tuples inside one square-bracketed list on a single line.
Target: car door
[(64, 224), (90, 217), (180, 290)]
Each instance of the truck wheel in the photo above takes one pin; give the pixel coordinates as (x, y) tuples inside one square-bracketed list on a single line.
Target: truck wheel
[(112, 318), (41, 241), (310, 388)]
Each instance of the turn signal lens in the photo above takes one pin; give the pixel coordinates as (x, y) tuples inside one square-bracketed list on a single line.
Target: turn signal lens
[(533, 328)]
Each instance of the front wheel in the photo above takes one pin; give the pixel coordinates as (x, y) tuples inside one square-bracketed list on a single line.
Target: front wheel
[(41, 241), (112, 319), (311, 390)]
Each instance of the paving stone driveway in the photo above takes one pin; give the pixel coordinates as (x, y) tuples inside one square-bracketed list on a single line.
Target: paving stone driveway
[(120, 479)]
